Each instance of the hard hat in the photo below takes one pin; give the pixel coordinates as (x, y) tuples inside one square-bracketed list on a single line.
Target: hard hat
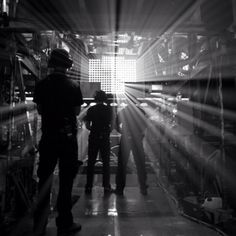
[(60, 58)]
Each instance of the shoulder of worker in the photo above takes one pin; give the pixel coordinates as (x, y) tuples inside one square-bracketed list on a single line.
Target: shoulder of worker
[(41, 83), (74, 82), (91, 109)]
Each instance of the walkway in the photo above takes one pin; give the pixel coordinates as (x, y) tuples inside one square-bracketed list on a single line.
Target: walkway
[(131, 215)]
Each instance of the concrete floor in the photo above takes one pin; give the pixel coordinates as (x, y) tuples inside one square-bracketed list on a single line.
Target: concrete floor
[(131, 215)]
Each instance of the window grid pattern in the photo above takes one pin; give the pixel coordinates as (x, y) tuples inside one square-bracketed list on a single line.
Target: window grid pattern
[(112, 73)]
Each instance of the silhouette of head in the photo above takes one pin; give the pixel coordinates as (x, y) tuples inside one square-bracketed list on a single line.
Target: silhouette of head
[(60, 58), (100, 96)]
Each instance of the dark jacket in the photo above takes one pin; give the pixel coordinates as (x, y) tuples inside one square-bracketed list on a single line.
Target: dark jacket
[(131, 121), (57, 96), (98, 119)]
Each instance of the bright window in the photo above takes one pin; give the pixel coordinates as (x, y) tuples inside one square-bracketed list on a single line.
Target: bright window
[(112, 73)]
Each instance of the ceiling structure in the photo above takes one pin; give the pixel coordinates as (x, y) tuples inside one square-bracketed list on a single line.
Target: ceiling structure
[(124, 27), (104, 16), (164, 37)]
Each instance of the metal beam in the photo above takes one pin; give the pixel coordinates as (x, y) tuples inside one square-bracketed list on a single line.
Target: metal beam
[(188, 12)]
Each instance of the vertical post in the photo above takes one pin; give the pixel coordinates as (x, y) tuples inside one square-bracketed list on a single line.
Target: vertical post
[(222, 128), (11, 101), (20, 82), (12, 8)]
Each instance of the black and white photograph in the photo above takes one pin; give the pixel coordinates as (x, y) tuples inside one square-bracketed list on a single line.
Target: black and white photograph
[(117, 117)]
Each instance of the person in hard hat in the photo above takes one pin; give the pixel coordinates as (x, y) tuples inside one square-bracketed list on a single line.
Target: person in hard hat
[(58, 101), (98, 120)]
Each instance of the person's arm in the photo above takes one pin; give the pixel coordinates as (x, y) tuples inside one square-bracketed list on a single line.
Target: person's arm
[(78, 100), (110, 120), (88, 125), (39, 109), (87, 120), (37, 98), (77, 110), (118, 124)]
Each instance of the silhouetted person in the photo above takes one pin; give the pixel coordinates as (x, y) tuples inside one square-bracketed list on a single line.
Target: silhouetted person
[(98, 121), (131, 123), (58, 102), (110, 100)]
